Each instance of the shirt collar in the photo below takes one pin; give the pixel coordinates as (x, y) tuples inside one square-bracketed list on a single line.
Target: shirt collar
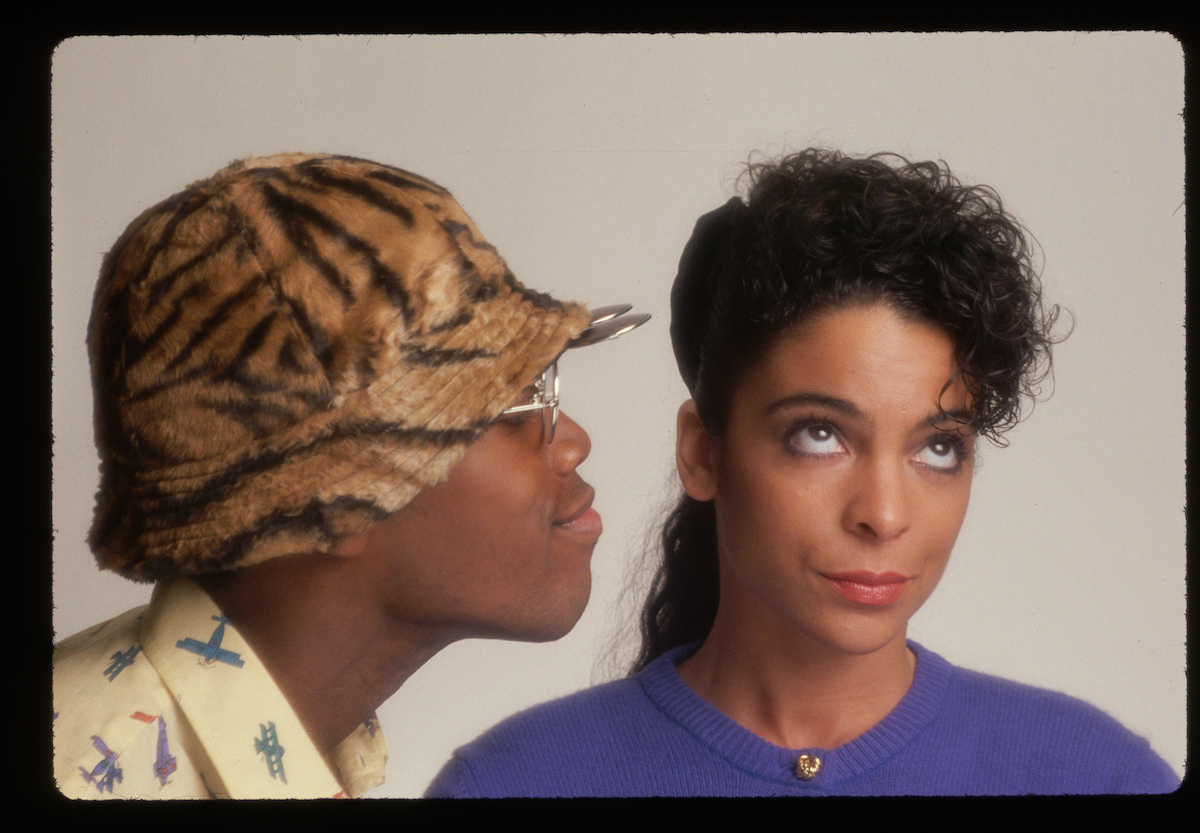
[(253, 738)]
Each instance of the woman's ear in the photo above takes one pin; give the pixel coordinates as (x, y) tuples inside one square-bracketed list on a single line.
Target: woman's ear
[(695, 453)]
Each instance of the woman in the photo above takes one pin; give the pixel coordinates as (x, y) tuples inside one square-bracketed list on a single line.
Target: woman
[(847, 334)]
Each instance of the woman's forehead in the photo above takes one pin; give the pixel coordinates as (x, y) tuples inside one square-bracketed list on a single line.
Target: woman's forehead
[(862, 355)]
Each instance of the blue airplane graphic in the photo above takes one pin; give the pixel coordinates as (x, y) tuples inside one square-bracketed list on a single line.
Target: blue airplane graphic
[(212, 650), (164, 762), (268, 744), (120, 661), (103, 773), (372, 724)]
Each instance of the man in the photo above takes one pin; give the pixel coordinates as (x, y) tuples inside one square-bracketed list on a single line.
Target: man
[(328, 426)]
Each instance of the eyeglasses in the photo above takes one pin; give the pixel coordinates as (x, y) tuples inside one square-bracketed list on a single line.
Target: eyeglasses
[(545, 398), (606, 323)]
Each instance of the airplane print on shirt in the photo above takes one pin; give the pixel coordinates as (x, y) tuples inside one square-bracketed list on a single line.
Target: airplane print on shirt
[(269, 746), (212, 651), (120, 731), (164, 761), (104, 773), (120, 661)]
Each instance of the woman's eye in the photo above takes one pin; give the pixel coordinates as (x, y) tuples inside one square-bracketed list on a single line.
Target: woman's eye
[(940, 453), (816, 439)]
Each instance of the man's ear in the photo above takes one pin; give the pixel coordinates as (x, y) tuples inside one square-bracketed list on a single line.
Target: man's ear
[(695, 453), (352, 545)]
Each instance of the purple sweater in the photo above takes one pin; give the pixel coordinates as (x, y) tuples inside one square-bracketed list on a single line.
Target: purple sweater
[(956, 732)]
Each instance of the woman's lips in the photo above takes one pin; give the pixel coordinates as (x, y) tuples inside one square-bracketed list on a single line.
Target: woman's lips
[(864, 587)]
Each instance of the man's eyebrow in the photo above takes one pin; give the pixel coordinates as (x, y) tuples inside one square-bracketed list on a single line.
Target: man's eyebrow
[(809, 398)]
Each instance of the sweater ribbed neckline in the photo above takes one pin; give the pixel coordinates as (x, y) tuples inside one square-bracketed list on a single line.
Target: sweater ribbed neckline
[(757, 757)]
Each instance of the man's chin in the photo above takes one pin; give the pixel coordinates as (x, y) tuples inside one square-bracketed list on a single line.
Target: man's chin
[(549, 628)]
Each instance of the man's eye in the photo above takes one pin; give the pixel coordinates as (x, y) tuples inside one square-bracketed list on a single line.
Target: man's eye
[(526, 397)]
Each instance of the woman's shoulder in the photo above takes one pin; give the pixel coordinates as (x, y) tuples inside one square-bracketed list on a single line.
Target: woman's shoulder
[(584, 713), (985, 694), (1050, 730), (562, 747), (1019, 703), (554, 748)]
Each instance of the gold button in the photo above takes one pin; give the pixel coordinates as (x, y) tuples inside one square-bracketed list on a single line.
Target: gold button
[(807, 766)]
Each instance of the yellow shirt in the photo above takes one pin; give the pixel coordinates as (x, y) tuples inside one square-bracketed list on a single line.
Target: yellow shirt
[(168, 701)]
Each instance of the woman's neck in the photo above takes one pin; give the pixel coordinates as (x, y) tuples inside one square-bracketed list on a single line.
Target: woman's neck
[(795, 692)]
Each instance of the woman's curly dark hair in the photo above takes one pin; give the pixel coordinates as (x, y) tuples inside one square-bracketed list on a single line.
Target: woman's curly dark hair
[(819, 231)]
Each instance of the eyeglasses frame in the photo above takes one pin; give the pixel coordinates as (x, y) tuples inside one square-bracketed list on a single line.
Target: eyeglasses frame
[(540, 402), (606, 324)]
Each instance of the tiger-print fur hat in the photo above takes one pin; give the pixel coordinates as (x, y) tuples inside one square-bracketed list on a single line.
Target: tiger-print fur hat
[(290, 350)]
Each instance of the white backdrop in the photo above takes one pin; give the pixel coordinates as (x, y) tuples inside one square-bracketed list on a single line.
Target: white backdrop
[(586, 160)]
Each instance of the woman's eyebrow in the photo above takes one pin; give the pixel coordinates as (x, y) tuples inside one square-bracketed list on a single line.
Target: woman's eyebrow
[(808, 398), (959, 416)]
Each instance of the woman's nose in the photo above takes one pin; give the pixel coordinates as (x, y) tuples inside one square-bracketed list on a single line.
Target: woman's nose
[(878, 507)]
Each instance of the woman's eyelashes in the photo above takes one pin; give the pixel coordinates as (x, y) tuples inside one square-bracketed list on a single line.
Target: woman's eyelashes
[(815, 437), (945, 452)]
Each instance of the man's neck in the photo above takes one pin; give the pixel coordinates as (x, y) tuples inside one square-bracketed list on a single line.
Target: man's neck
[(334, 655)]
